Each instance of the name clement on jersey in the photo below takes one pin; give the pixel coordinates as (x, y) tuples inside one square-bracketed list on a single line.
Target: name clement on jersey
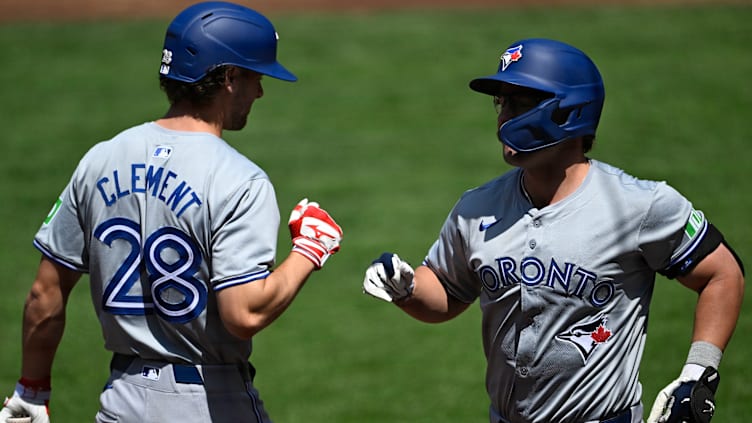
[(567, 278), (158, 182)]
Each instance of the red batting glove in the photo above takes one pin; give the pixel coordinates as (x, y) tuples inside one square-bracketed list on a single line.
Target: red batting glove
[(314, 233)]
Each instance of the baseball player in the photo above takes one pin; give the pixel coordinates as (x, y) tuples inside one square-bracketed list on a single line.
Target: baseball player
[(178, 232), (563, 251)]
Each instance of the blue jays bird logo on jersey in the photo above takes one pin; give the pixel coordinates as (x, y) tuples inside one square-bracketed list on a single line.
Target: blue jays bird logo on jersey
[(512, 54), (586, 337)]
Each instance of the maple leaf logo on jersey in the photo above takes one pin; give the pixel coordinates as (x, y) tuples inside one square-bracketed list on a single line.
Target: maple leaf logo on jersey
[(512, 54), (586, 337)]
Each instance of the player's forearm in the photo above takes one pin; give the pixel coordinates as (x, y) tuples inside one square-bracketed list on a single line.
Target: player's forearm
[(718, 308), (43, 326), (282, 286), (249, 308), (719, 281), (429, 301)]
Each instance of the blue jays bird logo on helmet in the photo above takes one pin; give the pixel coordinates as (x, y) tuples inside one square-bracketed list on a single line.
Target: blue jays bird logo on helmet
[(587, 336), (512, 54)]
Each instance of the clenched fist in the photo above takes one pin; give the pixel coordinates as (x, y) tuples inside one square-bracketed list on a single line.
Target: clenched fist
[(314, 233)]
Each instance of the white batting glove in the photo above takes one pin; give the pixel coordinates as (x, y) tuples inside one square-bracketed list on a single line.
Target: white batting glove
[(688, 399), (314, 233), (28, 404), (389, 278)]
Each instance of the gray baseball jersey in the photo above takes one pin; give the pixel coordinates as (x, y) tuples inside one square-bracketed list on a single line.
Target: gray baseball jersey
[(161, 220), (564, 290)]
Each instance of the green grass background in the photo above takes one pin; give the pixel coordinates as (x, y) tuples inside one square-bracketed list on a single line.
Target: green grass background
[(382, 130)]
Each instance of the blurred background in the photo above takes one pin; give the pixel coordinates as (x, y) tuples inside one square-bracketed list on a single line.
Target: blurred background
[(13, 10)]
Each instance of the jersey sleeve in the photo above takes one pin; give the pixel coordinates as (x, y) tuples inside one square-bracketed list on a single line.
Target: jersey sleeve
[(448, 261), (61, 237), (670, 229), (244, 243)]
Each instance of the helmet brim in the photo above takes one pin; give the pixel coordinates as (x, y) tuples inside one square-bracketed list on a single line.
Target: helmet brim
[(486, 85), (496, 84), (275, 70)]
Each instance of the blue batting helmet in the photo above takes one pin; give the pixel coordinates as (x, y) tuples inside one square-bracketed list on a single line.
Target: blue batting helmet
[(210, 34), (556, 68)]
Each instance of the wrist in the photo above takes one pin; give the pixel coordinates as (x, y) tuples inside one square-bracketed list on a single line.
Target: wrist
[(311, 249), (407, 298), (704, 354), (36, 384), (691, 371), (404, 301), (34, 390)]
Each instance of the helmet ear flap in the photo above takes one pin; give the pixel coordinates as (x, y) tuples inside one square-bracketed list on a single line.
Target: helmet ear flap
[(546, 125), (563, 115), (535, 129), (567, 116)]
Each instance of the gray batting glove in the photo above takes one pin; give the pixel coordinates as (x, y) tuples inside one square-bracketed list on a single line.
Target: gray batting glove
[(26, 405), (389, 278)]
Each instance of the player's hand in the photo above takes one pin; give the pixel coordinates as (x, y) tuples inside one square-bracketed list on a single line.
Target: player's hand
[(389, 278), (314, 233), (688, 399), (28, 400)]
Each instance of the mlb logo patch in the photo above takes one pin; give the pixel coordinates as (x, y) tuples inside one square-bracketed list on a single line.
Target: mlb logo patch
[(151, 373), (162, 152), (512, 54)]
